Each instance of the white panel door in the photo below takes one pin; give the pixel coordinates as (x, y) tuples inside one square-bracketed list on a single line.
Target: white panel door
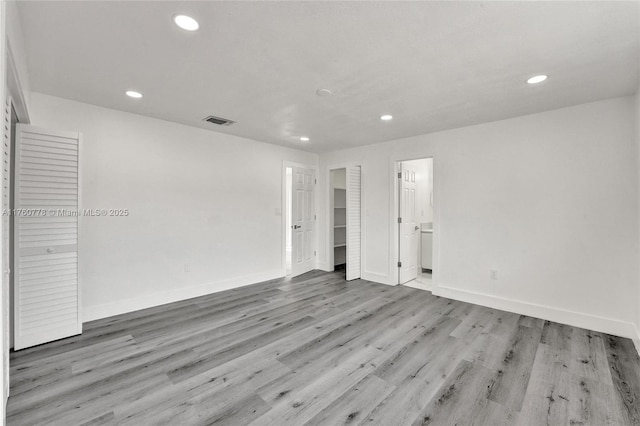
[(353, 222), (303, 221), (47, 188), (409, 226)]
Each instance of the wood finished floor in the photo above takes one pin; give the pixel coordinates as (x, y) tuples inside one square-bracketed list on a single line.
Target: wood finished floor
[(317, 350)]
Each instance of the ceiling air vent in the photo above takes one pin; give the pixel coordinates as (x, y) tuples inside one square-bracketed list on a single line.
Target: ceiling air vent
[(219, 121)]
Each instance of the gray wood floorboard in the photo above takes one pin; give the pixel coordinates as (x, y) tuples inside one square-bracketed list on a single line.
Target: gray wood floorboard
[(318, 350)]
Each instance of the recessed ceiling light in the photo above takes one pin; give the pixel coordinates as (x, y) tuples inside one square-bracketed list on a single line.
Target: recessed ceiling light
[(386, 117), (133, 94), (537, 79), (324, 92), (304, 139), (186, 22)]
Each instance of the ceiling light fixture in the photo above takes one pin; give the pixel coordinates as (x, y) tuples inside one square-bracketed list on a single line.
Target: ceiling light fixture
[(186, 22), (386, 117), (133, 94), (304, 139), (537, 79), (324, 92)]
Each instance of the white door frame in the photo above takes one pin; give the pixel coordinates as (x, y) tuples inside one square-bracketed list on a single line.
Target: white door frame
[(290, 164), (328, 221), (394, 207), (14, 90)]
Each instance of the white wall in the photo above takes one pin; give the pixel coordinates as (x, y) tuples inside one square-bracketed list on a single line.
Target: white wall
[(15, 40), (198, 198), (339, 178), (550, 200)]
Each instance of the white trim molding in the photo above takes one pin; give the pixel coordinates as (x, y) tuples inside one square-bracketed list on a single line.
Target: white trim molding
[(324, 266), (151, 300), (14, 87), (377, 278), (549, 313)]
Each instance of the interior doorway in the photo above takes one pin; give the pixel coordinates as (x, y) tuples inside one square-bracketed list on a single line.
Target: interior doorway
[(338, 218), (345, 220), (415, 217)]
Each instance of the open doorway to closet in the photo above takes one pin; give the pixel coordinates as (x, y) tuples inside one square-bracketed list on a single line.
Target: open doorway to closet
[(415, 222), (345, 200)]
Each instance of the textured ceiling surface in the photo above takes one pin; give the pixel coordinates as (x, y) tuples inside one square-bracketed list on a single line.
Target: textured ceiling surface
[(432, 65)]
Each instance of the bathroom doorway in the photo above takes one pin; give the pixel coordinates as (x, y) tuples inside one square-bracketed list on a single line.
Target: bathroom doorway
[(415, 216)]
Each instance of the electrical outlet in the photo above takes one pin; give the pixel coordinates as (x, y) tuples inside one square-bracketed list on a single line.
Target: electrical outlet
[(187, 267), (493, 274)]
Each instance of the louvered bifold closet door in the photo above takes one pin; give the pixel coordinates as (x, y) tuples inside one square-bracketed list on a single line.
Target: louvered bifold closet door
[(354, 231), (47, 188)]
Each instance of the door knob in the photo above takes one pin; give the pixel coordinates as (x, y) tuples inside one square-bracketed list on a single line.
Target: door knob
[(50, 250), (417, 227), (296, 226)]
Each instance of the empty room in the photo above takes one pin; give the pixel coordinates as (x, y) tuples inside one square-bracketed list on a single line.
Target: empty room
[(320, 213)]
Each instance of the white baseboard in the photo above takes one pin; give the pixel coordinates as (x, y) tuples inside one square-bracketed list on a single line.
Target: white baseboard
[(376, 278), (576, 319), (105, 310), (323, 266)]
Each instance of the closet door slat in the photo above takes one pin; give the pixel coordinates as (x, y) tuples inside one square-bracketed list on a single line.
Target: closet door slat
[(47, 292), (354, 232)]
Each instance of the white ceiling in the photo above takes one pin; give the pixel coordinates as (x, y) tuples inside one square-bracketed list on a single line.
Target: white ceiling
[(432, 65)]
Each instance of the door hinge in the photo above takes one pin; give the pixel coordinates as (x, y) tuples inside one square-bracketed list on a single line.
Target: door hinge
[(399, 175), (315, 181), (315, 217), (399, 264), (314, 253), (399, 220)]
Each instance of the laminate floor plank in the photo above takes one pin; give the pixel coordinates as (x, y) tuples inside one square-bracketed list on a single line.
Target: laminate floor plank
[(411, 396), (411, 358), (212, 327), (512, 379), (622, 358), (197, 404), (218, 379), (555, 395), (463, 400), (208, 360), (531, 322), (360, 350), (366, 323), (318, 350), (355, 404), (589, 356)]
